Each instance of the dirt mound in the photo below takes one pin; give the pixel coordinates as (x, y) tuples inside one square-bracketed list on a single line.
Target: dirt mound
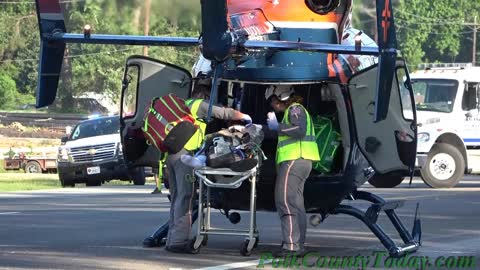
[(18, 130)]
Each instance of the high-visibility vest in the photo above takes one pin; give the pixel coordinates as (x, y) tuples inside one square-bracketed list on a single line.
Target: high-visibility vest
[(197, 139), (161, 164), (289, 148)]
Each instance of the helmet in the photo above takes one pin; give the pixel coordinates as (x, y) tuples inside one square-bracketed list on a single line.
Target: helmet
[(203, 67), (282, 92)]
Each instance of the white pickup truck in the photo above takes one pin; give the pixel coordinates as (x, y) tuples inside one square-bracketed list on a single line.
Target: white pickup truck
[(93, 154), (448, 111)]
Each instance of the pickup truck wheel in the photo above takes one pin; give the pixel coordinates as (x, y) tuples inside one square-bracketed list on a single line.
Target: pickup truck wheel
[(33, 167), (388, 180), (65, 182), (95, 183), (138, 176), (444, 168)]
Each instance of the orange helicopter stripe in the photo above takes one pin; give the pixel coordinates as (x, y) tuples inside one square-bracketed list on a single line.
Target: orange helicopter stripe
[(331, 69), (283, 10)]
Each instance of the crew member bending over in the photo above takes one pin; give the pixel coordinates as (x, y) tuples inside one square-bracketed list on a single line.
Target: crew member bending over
[(180, 174)]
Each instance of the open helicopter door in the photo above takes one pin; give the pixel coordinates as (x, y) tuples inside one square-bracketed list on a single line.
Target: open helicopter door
[(144, 79), (389, 145)]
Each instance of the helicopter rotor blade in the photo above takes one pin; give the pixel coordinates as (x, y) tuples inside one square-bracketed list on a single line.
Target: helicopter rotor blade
[(387, 44), (217, 41), (50, 19)]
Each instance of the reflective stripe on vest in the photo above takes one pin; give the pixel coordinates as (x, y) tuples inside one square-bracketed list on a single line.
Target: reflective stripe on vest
[(289, 148), (197, 139)]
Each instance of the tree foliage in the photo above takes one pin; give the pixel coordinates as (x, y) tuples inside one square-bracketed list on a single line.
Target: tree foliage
[(95, 68), (427, 31), (7, 92)]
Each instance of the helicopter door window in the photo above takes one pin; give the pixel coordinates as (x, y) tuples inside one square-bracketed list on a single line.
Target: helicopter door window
[(405, 97), (130, 90)]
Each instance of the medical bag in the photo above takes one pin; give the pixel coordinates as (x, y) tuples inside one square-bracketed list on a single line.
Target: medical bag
[(328, 140), (168, 123)]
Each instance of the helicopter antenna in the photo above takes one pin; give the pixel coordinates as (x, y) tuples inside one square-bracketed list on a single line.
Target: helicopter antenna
[(417, 226)]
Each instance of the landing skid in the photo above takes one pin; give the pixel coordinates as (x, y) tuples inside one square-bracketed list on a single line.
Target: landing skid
[(411, 241)]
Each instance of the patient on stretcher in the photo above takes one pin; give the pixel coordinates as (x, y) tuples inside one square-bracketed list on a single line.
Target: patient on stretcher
[(236, 148)]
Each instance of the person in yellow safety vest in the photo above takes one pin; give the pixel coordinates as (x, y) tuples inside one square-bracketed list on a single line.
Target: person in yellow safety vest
[(158, 175), (180, 174), (296, 149)]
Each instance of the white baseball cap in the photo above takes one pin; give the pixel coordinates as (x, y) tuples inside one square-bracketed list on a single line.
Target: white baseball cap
[(203, 66), (282, 92)]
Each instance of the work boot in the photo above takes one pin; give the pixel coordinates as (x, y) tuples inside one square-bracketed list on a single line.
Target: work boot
[(151, 242), (285, 252), (182, 248)]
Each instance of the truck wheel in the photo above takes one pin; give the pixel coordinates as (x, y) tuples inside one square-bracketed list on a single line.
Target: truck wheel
[(138, 176), (388, 180), (33, 167), (95, 183), (65, 182), (444, 168)]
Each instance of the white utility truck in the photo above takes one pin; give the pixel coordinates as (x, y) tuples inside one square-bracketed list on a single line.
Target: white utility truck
[(448, 111)]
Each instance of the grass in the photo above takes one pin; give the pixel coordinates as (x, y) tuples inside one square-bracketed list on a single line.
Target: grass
[(26, 182)]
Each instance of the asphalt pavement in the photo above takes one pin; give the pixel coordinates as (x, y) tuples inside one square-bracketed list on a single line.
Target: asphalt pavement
[(103, 228)]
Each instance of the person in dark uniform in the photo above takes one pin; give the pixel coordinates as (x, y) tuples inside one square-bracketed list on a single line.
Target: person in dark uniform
[(296, 149)]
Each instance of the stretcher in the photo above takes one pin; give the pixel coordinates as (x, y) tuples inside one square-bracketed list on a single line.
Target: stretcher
[(224, 178)]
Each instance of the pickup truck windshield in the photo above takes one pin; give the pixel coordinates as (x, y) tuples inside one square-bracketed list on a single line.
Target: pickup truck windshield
[(436, 95), (98, 127)]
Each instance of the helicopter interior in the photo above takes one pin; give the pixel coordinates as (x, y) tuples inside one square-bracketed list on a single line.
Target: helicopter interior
[(324, 100), (319, 99)]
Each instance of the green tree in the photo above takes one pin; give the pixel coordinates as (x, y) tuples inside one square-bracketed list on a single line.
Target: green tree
[(472, 10), (427, 31), (94, 68), (7, 92), (410, 32)]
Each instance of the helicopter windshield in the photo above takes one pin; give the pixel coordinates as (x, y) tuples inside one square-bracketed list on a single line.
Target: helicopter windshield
[(437, 95)]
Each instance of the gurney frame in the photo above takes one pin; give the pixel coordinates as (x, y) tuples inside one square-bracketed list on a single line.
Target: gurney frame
[(204, 209)]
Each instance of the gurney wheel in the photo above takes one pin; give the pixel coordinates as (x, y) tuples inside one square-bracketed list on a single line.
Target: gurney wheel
[(192, 247), (205, 240), (244, 249)]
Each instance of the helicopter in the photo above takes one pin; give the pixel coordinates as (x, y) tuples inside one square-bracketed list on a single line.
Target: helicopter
[(256, 43)]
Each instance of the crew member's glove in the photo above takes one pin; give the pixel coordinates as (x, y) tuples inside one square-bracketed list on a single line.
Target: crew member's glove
[(272, 121), (247, 119), (259, 127)]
